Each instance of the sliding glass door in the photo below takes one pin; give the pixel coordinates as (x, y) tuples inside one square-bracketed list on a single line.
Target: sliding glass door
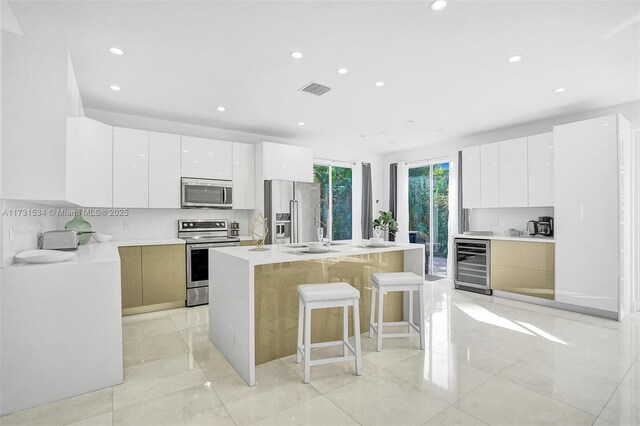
[(335, 192), (429, 213)]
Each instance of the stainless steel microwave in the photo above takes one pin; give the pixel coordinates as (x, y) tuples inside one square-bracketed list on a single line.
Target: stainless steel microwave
[(207, 193)]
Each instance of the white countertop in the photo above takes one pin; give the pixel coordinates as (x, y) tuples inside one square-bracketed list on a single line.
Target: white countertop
[(283, 253), (98, 252), (152, 242), (505, 238)]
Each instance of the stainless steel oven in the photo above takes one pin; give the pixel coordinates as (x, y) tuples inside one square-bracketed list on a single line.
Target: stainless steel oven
[(206, 193), (201, 235)]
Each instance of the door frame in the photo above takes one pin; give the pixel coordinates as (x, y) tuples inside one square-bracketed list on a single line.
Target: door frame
[(431, 163)]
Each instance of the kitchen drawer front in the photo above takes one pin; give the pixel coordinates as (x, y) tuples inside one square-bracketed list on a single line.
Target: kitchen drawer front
[(163, 274), (529, 282), (538, 256), (131, 276)]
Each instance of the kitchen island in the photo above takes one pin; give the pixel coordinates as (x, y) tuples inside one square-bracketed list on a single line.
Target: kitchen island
[(253, 302)]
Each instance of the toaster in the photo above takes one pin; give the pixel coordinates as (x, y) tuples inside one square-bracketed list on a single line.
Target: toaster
[(59, 240)]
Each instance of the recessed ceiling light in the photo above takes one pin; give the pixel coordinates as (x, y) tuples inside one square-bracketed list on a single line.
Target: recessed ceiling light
[(342, 71), (438, 5), (116, 51), (515, 58), (379, 83), (559, 90), (300, 123), (115, 88), (439, 130), (221, 109), (392, 141), (296, 55), (363, 136), (410, 121)]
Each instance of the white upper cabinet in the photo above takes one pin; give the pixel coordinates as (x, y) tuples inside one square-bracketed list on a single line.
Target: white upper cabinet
[(471, 177), (206, 158), (243, 176), (287, 162), (490, 175), (540, 161), (130, 168), (164, 170), (97, 168), (513, 173)]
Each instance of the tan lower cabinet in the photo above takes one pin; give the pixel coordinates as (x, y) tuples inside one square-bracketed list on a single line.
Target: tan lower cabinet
[(153, 278), (131, 276), (523, 268)]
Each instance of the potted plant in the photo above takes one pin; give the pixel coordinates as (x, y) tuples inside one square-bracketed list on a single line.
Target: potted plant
[(387, 224)]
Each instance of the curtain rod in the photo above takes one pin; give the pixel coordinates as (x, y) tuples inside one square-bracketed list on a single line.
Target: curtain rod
[(429, 161), (336, 161)]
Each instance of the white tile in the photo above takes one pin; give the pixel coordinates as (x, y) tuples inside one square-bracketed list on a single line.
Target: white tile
[(453, 416), (63, 412), (196, 338), (150, 380), (501, 402), (277, 389), (197, 405), (105, 419), (139, 351), (213, 364), (190, 317), (147, 328), (580, 389), (383, 398), (317, 411), (624, 407), (439, 375)]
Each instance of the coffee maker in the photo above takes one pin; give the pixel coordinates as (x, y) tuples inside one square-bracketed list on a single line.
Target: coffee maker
[(545, 226)]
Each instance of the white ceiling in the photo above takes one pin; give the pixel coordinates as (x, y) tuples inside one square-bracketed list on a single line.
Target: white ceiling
[(445, 70)]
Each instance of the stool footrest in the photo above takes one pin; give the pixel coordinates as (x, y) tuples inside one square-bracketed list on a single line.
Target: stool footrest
[(329, 344), (332, 360)]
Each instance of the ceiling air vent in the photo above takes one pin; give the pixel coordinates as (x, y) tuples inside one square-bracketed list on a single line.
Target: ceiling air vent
[(315, 89)]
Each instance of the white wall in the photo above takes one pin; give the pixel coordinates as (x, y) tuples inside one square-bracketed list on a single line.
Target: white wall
[(20, 230), (499, 220), (157, 223)]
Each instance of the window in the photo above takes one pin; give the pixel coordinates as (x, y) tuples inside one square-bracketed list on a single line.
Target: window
[(335, 190)]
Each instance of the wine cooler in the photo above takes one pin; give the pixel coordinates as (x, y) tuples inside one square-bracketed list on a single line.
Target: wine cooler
[(473, 265)]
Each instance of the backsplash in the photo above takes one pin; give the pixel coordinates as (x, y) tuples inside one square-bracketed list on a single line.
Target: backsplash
[(500, 219), (20, 230), (158, 223)]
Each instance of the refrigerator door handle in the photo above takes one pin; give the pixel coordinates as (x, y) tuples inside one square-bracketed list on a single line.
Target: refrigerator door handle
[(297, 221), (293, 221)]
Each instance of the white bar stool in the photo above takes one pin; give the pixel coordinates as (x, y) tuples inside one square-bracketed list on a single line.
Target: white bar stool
[(331, 295), (396, 281)]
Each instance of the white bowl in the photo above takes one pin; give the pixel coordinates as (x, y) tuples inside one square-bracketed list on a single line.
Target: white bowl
[(102, 238), (45, 256), (376, 241), (316, 246)]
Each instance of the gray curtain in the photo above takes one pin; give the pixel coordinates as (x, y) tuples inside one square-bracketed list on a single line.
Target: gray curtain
[(393, 193), (367, 202)]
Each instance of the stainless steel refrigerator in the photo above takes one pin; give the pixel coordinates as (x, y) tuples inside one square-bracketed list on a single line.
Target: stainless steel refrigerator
[(291, 211)]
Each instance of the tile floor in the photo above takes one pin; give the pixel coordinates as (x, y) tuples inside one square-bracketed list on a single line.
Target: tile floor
[(488, 361)]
